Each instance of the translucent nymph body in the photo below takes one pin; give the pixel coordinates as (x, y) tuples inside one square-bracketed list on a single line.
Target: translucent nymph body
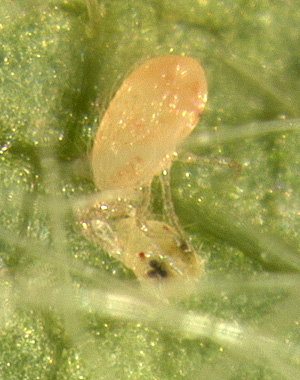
[(154, 110)]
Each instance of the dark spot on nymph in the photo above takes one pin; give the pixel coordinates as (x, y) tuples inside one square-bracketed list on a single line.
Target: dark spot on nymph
[(182, 245), (157, 269)]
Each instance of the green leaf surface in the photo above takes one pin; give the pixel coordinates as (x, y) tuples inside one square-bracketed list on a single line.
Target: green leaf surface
[(68, 309)]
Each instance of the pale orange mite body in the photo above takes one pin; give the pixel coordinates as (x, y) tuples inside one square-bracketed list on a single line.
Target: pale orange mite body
[(153, 111)]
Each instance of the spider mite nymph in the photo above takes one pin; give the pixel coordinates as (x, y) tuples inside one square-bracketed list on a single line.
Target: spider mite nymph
[(153, 111)]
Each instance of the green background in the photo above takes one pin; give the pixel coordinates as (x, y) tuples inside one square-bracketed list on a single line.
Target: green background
[(68, 310)]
